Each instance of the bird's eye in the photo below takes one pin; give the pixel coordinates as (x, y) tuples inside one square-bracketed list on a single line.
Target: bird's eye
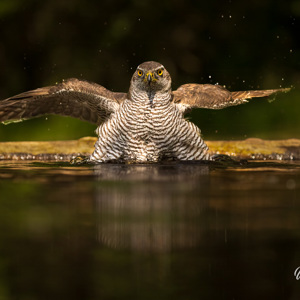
[(140, 73), (160, 72)]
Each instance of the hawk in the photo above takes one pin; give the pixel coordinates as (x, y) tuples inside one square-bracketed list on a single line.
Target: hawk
[(147, 124)]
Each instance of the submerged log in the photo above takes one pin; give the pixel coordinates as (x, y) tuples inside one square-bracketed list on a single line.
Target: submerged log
[(48, 150), (254, 148), (251, 148)]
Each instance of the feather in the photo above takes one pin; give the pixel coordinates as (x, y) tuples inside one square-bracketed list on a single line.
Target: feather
[(215, 96), (76, 98)]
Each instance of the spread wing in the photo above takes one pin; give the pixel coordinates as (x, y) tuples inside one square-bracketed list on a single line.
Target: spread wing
[(75, 98), (215, 96)]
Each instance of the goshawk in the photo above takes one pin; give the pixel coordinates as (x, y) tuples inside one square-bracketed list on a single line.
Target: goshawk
[(146, 124)]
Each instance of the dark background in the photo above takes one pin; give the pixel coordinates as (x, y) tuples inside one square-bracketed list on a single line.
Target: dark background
[(240, 44)]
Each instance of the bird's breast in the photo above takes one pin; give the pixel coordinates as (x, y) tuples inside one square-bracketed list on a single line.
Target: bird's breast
[(150, 117), (144, 128)]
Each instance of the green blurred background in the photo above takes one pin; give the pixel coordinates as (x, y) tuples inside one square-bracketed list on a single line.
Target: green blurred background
[(240, 44)]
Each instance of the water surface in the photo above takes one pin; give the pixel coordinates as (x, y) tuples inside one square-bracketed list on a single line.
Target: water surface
[(160, 231)]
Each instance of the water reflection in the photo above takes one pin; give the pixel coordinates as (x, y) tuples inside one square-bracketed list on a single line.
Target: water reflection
[(152, 172), (155, 209), (153, 231)]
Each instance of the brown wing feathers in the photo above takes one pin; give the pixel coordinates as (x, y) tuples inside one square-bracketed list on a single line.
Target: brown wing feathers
[(79, 99), (215, 96), (201, 95), (256, 93), (93, 103)]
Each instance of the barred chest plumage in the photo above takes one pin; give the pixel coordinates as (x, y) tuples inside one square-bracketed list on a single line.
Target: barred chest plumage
[(148, 128)]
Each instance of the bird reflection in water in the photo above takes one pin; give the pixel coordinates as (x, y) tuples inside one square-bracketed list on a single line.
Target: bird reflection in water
[(151, 207)]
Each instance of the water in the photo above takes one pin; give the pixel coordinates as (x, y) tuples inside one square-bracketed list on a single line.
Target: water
[(173, 231)]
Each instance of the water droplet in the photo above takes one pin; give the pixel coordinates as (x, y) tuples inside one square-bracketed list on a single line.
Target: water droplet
[(271, 99), (209, 76)]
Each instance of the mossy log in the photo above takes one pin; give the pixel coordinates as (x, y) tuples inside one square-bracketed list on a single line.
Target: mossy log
[(251, 148)]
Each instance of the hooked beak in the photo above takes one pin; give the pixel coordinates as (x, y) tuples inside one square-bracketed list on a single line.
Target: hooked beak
[(149, 77)]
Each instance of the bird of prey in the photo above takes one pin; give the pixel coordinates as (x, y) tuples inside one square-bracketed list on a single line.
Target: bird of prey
[(146, 124)]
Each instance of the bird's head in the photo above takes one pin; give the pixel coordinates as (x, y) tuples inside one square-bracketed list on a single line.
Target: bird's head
[(151, 76)]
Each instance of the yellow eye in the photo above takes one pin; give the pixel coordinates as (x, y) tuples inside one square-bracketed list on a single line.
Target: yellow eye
[(160, 72), (140, 73)]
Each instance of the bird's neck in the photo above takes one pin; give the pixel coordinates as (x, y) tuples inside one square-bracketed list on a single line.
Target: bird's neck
[(150, 97)]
